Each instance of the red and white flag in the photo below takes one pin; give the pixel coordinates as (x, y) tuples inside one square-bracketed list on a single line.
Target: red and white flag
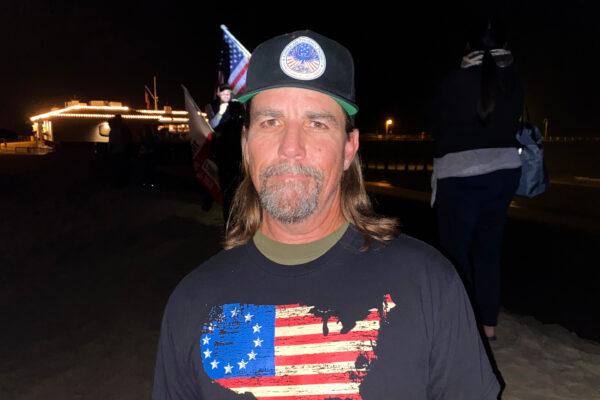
[(201, 135), (146, 99)]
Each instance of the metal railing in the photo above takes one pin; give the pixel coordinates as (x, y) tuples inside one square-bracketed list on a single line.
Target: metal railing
[(397, 155)]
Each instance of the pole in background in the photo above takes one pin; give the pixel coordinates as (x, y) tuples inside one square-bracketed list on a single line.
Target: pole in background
[(153, 93)]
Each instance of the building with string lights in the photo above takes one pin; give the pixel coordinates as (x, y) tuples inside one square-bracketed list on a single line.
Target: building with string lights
[(88, 122)]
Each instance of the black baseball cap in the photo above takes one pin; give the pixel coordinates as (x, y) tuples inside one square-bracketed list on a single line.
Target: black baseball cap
[(303, 59)]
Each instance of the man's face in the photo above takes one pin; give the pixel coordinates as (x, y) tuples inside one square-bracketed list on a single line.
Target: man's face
[(225, 96), (296, 148)]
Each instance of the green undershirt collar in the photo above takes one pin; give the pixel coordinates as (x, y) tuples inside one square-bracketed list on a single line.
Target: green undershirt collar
[(295, 254)]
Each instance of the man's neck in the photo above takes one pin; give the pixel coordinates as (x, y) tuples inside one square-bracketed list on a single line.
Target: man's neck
[(305, 232)]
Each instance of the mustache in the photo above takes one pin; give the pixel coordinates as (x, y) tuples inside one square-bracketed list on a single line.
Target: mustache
[(291, 169)]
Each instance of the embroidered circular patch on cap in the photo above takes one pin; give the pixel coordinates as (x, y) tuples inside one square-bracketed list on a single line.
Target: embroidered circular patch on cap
[(303, 59)]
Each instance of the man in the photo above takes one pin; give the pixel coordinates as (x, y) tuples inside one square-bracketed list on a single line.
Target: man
[(226, 117), (315, 298)]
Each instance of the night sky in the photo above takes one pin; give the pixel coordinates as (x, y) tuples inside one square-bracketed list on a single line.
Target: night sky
[(54, 51)]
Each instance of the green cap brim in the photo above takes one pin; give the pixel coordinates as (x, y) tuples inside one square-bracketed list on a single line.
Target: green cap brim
[(350, 108)]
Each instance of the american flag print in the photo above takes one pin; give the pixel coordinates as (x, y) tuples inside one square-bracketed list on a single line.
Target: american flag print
[(289, 352)]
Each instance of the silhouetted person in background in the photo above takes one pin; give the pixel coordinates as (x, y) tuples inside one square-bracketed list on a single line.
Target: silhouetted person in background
[(226, 117), (119, 151), (476, 171)]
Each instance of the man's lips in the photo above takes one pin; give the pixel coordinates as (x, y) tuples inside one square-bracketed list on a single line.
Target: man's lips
[(292, 176)]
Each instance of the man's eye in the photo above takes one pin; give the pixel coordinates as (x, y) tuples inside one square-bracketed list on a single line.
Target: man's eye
[(269, 123), (317, 125)]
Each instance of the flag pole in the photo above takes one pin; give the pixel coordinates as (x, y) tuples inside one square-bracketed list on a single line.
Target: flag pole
[(246, 52)]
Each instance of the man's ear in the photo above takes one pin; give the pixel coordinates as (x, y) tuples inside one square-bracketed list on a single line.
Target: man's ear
[(350, 148)]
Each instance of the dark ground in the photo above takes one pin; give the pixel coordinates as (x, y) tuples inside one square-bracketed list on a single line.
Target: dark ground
[(87, 269)]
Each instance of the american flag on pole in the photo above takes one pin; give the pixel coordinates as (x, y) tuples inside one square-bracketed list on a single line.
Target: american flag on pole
[(233, 62), (289, 352)]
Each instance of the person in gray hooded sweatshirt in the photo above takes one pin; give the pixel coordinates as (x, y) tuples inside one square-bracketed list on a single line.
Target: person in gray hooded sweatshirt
[(474, 119)]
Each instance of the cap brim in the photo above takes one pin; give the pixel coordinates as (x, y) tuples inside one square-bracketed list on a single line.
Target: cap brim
[(350, 108)]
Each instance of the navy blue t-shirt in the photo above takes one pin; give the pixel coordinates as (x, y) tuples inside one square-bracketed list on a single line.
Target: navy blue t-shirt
[(392, 322)]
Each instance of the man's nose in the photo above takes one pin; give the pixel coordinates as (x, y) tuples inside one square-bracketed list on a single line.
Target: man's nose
[(292, 144)]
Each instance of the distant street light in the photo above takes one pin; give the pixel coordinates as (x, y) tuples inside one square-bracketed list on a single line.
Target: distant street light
[(388, 123)]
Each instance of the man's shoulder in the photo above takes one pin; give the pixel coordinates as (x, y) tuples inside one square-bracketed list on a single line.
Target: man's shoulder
[(416, 257), (408, 246), (216, 265), (208, 275)]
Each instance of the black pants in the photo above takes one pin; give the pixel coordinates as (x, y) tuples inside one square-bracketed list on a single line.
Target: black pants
[(471, 214)]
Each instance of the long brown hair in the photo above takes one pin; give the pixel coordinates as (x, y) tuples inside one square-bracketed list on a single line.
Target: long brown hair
[(246, 213)]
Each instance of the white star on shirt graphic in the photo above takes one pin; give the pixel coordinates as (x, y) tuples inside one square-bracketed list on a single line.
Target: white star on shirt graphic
[(207, 353), (256, 328), (214, 364), (228, 369), (248, 317), (252, 355), (242, 364), (258, 342), (234, 312), (205, 340)]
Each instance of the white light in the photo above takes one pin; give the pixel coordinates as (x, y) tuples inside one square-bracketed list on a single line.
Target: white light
[(162, 112), (53, 113), (70, 115), (155, 117), (66, 113), (78, 107), (107, 116), (168, 119), (151, 111)]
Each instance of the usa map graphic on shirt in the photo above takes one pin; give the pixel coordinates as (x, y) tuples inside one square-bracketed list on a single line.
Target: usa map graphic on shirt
[(293, 351)]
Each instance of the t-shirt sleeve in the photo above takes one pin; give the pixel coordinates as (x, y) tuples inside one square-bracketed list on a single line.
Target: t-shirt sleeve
[(459, 365), (174, 376)]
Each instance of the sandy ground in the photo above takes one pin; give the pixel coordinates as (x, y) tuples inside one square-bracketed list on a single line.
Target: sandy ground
[(540, 361), (85, 271)]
